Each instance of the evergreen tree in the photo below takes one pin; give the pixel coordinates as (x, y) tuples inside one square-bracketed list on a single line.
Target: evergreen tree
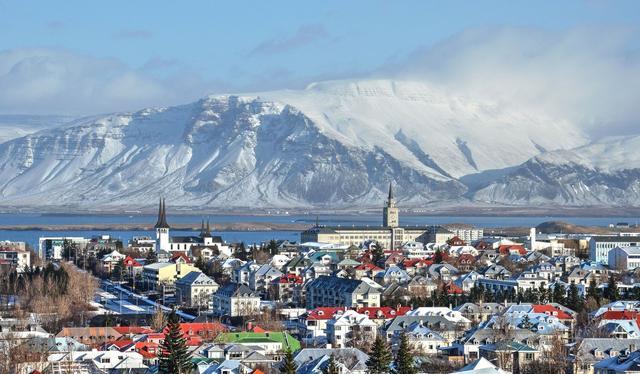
[(593, 289), (118, 271), (612, 292), (404, 363), (543, 294), (378, 255), (200, 264), (438, 258), (240, 252), (529, 296), (273, 247), (558, 294), (380, 357), (573, 298), (332, 366), (152, 257), (288, 364), (526, 322), (173, 357)]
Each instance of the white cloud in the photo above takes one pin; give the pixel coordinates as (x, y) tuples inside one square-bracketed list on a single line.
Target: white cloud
[(51, 81), (590, 75)]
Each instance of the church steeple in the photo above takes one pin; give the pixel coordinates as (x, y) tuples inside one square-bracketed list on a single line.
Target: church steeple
[(202, 232), (390, 211), (391, 201), (208, 231), (162, 216)]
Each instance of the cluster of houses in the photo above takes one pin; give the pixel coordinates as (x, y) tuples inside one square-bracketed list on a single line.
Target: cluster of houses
[(466, 302)]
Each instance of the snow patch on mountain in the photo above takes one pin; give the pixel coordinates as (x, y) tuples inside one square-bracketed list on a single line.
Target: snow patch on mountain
[(606, 172)]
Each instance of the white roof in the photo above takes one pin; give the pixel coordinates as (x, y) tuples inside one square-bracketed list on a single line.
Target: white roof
[(481, 366)]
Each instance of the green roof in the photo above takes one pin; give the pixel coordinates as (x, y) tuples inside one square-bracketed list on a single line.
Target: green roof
[(287, 341)]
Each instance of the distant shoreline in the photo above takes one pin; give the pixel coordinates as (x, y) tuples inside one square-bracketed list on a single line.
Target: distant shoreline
[(433, 211), (221, 227)]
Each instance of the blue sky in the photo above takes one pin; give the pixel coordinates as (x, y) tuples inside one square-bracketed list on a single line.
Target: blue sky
[(127, 54)]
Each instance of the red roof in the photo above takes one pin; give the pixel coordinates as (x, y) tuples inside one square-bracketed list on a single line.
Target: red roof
[(416, 262), (190, 329), (455, 241), (368, 266), (482, 245), (621, 314), (258, 329), (386, 312), (132, 330), (551, 310), (505, 249), (181, 255), (258, 371), (131, 262), (466, 257), (120, 344), (452, 289), (288, 278), (324, 312)]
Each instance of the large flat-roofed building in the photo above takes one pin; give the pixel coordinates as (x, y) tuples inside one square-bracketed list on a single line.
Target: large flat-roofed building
[(627, 258), (599, 246), (52, 248), (390, 235)]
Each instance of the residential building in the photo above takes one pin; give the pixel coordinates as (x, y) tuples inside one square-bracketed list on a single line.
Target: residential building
[(234, 299), (624, 258), (15, 257), (51, 248), (196, 290), (315, 360), (160, 273), (351, 329), (334, 291), (599, 246), (509, 355)]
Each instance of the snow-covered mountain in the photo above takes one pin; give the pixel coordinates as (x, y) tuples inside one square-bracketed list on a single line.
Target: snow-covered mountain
[(606, 172), (334, 144), (15, 126)]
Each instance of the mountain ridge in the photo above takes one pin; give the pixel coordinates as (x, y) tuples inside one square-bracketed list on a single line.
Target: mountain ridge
[(334, 144)]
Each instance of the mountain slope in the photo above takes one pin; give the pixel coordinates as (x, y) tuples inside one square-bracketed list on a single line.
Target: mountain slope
[(461, 136), (335, 144), (15, 126), (606, 172)]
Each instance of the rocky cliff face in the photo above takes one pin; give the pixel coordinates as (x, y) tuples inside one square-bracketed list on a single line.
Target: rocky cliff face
[(334, 145)]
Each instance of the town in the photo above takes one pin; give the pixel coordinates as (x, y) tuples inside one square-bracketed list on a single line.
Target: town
[(433, 299)]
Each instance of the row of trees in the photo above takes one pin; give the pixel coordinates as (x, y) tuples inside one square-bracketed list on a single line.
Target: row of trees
[(62, 292)]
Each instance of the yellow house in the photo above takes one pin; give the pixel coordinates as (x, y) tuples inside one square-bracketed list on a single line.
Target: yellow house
[(166, 272)]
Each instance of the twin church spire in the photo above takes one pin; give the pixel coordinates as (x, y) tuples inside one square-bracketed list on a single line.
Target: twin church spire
[(162, 216), (205, 232)]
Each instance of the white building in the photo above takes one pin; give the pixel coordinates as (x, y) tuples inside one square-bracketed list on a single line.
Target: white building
[(350, 327), (196, 289), (627, 258), (15, 257), (51, 248), (88, 361), (235, 299), (599, 246), (467, 234), (166, 242)]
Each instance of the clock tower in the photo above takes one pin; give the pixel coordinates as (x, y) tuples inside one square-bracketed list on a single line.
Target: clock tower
[(390, 211)]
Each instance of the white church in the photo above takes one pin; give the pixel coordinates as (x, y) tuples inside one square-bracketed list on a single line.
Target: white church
[(204, 243)]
